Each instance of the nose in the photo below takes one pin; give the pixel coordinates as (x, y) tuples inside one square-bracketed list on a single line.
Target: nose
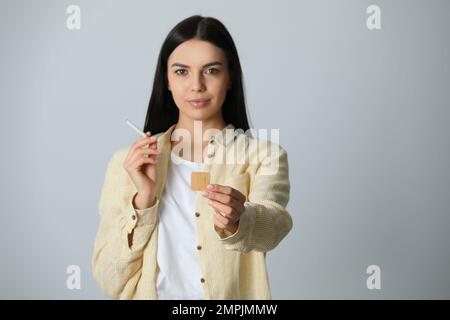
[(197, 83)]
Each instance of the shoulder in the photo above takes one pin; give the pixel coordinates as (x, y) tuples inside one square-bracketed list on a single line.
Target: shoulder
[(117, 158), (115, 173), (119, 155), (259, 147)]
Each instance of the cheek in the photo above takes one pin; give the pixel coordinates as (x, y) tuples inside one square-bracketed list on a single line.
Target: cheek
[(178, 90), (218, 87), (175, 84)]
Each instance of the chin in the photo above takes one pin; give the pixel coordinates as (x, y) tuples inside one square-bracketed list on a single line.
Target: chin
[(200, 114)]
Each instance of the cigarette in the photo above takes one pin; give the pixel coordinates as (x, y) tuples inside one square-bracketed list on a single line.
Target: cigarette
[(133, 126)]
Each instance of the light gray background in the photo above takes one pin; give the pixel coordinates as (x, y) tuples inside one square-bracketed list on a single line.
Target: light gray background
[(363, 115)]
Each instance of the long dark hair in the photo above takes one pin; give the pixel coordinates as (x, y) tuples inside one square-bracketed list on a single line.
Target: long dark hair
[(162, 111)]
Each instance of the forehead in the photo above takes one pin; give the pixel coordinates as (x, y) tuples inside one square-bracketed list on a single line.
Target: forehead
[(196, 52)]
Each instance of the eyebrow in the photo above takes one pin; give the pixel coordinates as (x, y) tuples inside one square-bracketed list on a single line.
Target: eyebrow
[(214, 63)]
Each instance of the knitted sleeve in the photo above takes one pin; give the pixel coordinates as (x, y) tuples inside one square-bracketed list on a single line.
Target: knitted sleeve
[(122, 235), (265, 221)]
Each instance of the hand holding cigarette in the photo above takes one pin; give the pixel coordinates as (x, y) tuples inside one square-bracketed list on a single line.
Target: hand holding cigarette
[(140, 164)]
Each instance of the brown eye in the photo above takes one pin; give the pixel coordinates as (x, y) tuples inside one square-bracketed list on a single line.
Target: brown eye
[(181, 74), (214, 70)]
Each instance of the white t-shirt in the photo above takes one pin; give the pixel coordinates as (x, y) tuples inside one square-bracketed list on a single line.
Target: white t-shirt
[(177, 256)]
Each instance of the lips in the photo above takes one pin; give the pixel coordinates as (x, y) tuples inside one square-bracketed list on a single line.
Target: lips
[(198, 103)]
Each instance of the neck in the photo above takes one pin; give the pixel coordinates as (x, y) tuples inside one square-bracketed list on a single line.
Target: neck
[(196, 140)]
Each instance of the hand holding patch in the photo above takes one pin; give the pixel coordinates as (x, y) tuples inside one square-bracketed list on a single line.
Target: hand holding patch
[(228, 205)]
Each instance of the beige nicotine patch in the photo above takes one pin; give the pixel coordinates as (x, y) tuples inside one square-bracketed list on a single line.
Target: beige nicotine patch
[(199, 181)]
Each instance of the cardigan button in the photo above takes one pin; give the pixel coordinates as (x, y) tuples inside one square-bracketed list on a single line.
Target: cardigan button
[(199, 247), (133, 217), (197, 214), (202, 280)]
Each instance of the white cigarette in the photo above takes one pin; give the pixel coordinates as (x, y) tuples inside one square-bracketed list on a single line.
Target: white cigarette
[(131, 124)]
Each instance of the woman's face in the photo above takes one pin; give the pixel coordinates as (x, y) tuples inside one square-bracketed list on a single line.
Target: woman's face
[(198, 69)]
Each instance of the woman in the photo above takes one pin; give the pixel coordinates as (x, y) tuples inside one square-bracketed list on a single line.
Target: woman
[(158, 239)]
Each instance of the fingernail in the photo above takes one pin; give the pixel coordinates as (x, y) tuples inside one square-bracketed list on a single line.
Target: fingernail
[(210, 186), (205, 193), (148, 133)]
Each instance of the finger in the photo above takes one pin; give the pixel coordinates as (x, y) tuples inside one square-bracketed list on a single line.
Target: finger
[(147, 144), (144, 142), (140, 161), (137, 151), (225, 199), (228, 190), (141, 143), (220, 220), (140, 153), (149, 151), (224, 209)]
